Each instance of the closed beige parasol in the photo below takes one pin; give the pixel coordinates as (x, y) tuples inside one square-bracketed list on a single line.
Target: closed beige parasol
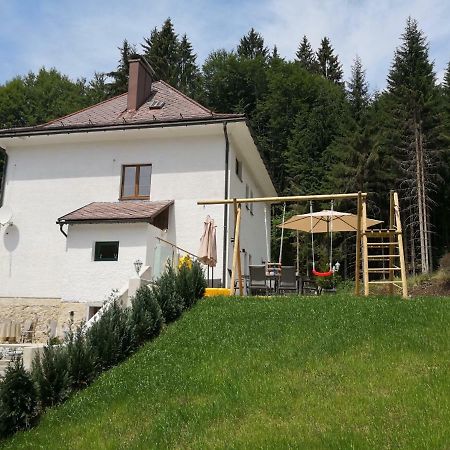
[(207, 253)]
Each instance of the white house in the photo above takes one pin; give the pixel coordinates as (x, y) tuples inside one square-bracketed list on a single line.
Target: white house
[(91, 192)]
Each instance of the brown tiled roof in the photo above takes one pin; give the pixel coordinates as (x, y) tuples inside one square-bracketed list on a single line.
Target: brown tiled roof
[(175, 106), (124, 211)]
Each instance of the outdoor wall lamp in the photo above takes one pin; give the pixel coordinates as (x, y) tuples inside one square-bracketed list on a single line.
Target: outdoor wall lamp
[(137, 266)]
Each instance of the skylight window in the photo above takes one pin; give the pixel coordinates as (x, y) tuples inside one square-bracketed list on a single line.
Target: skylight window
[(155, 104)]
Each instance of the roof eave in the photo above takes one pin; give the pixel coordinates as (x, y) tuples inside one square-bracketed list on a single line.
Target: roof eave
[(94, 221), (87, 128)]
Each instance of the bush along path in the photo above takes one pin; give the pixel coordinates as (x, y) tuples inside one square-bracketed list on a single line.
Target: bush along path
[(62, 370)]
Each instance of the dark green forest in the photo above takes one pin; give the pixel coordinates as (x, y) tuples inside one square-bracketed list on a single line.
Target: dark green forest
[(317, 132)]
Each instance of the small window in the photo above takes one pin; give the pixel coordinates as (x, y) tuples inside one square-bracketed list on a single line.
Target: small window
[(106, 251), (136, 181), (239, 169)]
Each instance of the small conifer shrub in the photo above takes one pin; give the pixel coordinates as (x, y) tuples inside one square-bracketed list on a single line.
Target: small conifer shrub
[(111, 337), (146, 316), (18, 400), (190, 283), (167, 296), (51, 375), (81, 359)]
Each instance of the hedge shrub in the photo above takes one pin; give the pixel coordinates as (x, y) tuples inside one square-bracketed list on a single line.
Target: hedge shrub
[(51, 374), (18, 400), (146, 316), (111, 337), (81, 359), (167, 296), (190, 283)]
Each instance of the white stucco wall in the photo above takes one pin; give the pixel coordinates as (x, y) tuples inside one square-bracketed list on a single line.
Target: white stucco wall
[(85, 279), (253, 229), (49, 176)]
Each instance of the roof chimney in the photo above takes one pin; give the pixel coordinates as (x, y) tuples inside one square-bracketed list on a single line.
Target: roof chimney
[(139, 83)]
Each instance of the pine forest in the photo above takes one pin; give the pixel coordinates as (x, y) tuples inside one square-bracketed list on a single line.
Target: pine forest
[(317, 132)]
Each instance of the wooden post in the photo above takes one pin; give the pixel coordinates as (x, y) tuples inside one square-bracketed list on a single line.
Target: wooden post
[(391, 242), (236, 256), (364, 255), (237, 242), (358, 246), (400, 246)]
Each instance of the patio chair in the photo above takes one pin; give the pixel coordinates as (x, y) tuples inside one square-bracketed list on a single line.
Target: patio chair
[(236, 282), (257, 282), (51, 329), (288, 280), (309, 287), (28, 330)]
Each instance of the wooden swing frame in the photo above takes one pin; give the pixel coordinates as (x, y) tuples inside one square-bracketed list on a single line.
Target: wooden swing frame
[(361, 234)]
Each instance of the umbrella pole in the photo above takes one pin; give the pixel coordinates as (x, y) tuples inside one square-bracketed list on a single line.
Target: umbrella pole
[(298, 263)]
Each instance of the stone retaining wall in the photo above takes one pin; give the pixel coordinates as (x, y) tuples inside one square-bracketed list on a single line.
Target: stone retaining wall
[(45, 309)]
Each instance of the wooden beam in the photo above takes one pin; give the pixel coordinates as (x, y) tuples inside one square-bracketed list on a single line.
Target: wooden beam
[(391, 241), (358, 246), (298, 198), (237, 242), (398, 224), (364, 246), (237, 224)]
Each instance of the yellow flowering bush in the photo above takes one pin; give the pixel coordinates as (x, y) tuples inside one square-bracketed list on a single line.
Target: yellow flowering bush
[(185, 261)]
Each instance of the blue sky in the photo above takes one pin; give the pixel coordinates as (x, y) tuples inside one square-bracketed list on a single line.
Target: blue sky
[(79, 37)]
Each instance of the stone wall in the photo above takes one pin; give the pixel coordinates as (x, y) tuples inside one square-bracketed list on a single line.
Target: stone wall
[(21, 309)]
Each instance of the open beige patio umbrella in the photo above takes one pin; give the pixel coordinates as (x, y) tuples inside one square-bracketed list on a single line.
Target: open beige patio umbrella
[(325, 221), (320, 222), (207, 253)]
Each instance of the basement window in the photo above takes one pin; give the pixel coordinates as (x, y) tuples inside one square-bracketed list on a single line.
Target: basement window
[(106, 251)]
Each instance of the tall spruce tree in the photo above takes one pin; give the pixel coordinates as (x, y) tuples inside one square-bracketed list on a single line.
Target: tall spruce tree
[(443, 195), (413, 100), (162, 50), (119, 83), (306, 56), (275, 54), (173, 61), (252, 46), (329, 65), (358, 90), (188, 72)]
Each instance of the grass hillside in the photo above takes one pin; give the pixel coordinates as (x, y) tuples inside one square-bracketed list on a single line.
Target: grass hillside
[(315, 372)]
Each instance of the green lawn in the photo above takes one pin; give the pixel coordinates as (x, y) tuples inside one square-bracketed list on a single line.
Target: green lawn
[(314, 372)]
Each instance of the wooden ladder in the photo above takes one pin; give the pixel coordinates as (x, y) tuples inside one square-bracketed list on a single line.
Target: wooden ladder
[(383, 257)]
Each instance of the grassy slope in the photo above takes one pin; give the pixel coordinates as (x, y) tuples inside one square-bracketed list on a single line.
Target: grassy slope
[(317, 372)]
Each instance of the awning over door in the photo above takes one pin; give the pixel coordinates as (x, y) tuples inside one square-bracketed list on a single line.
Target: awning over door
[(130, 211)]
